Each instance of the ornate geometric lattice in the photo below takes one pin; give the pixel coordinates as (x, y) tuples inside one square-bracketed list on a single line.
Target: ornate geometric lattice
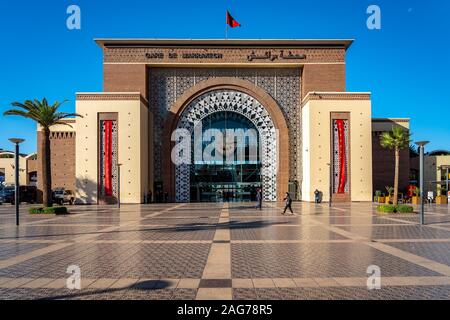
[(340, 156), (249, 107), (283, 84), (108, 162)]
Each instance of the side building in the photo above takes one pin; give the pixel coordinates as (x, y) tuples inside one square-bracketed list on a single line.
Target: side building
[(62, 158), (384, 159)]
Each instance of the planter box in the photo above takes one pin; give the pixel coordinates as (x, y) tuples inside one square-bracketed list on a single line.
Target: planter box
[(441, 200), (387, 200), (381, 199), (415, 200)]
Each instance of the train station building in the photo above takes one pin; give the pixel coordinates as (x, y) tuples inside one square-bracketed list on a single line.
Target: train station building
[(312, 134)]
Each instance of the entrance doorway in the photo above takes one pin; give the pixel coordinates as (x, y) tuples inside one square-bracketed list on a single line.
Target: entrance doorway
[(222, 111), (232, 176)]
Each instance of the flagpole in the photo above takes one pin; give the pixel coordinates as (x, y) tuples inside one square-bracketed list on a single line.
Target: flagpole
[(226, 27)]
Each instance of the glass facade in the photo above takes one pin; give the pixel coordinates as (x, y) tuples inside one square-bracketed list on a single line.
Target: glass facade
[(230, 174)]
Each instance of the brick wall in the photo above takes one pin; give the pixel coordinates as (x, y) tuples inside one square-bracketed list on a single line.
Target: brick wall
[(125, 69), (31, 165), (324, 78), (125, 78), (62, 148), (384, 166)]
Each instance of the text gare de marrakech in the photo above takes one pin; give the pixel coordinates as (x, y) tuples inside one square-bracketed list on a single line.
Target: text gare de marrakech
[(268, 55), (188, 55)]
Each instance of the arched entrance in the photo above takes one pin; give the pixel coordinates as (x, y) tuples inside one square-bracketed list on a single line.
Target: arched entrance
[(216, 107), (229, 95), (234, 174)]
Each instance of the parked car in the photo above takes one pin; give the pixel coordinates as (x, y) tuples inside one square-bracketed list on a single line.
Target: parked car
[(7, 194), (27, 194), (62, 196)]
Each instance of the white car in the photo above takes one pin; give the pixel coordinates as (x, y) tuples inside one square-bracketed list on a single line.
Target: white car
[(62, 196)]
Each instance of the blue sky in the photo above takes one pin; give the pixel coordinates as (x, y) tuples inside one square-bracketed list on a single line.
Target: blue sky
[(405, 64)]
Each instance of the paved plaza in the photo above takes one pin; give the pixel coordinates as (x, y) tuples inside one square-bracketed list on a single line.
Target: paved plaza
[(225, 251)]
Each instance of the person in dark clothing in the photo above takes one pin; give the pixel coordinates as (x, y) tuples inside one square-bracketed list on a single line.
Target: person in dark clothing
[(288, 201), (149, 196), (259, 199), (317, 196)]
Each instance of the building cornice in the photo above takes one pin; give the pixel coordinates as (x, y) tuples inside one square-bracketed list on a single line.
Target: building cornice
[(222, 43), (381, 120), (111, 96), (336, 96)]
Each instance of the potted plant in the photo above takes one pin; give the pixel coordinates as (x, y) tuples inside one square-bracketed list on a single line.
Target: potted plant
[(377, 196), (416, 197), (389, 190), (440, 199)]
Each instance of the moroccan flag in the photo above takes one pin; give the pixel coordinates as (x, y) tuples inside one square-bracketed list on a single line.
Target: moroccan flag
[(231, 21)]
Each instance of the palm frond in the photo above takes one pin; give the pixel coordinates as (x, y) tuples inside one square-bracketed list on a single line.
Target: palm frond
[(398, 138), (64, 115), (18, 113), (40, 111)]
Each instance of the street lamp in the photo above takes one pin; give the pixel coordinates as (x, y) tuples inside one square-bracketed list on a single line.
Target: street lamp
[(421, 145), (17, 141), (330, 189)]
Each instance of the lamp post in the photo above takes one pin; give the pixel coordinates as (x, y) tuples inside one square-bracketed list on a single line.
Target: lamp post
[(118, 185), (446, 181), (17, 141), (421, 145)]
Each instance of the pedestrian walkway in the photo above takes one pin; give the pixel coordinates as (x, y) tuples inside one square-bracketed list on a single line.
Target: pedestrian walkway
[(225, 251)]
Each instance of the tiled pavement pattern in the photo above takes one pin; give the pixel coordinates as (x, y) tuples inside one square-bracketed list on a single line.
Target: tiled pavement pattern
[(225, 251)]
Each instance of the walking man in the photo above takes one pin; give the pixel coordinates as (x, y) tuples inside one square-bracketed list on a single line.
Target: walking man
[(317, 196), (259, 198), (288, 201)]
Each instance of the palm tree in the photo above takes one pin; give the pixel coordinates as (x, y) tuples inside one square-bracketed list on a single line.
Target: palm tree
[(46, 116), (396, 140), (413, 152)]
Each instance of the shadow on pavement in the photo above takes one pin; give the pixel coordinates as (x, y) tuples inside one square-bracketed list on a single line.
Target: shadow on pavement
[(149, 285)]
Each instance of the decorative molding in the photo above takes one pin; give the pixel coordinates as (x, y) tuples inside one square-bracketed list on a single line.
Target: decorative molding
[(247, 106), (336, 96), (267, 55), (62, 135), (390, 120), (224, 43), (113, 96), (168, 85)]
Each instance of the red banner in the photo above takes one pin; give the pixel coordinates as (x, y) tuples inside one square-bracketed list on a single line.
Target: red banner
[(107, 160), (342, 156)]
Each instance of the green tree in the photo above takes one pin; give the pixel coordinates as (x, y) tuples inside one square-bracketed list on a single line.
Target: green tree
[(413, 152), (46, 116), (396, 140)]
